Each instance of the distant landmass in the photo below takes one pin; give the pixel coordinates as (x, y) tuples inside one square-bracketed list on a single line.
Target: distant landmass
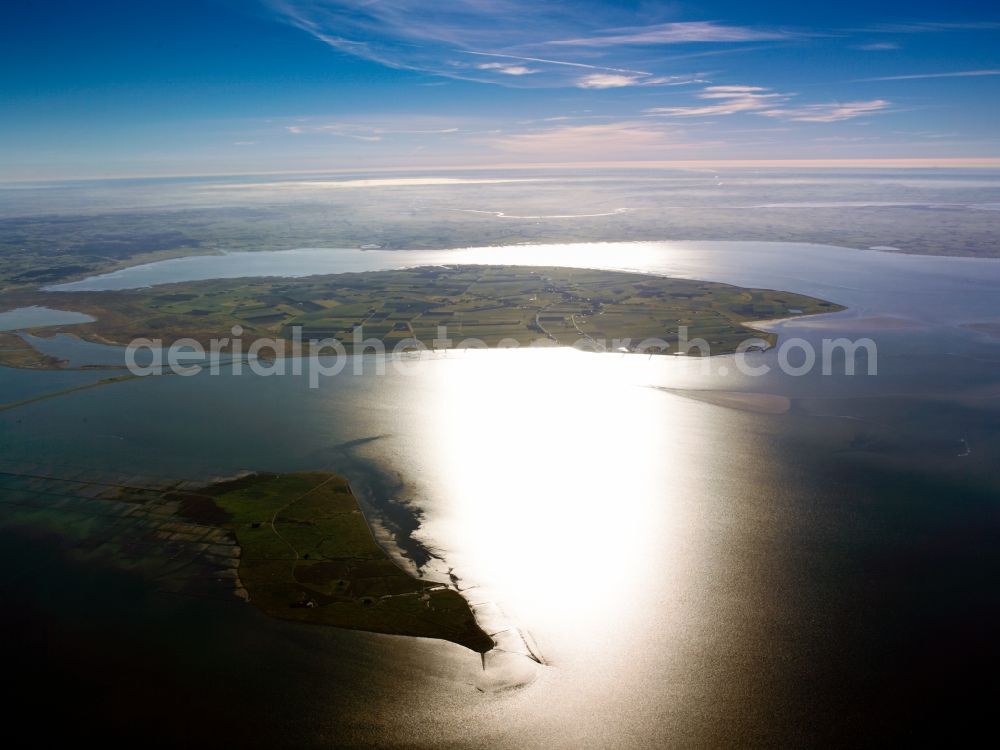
[(492, 305)]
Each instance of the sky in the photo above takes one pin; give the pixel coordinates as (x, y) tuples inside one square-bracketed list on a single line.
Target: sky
[(110, 88)]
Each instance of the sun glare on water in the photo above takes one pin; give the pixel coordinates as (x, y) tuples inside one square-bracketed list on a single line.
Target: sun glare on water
[(560, 488)]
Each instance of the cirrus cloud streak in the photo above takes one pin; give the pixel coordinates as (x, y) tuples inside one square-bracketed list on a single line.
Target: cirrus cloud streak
[(732, 100), (440, 38)]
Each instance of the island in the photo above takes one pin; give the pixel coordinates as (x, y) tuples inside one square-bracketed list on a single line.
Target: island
[(491, 305), (306, 553)]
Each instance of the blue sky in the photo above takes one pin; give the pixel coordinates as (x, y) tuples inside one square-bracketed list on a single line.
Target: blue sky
[(220, 86)]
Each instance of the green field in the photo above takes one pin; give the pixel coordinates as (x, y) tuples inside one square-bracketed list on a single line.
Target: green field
[(307, 554), (489, 304)]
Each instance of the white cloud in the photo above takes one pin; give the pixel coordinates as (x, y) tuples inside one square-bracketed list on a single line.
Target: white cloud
[(626, 139), (618, 80), (877, 46), (685, 32), (730, 100), (956, 74), (441, 38), (832, 112), (605, 81), (548, 61), (510, 70), (371, 131), (758, 100)]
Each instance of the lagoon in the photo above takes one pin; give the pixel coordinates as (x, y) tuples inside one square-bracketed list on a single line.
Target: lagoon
[(39, 317)]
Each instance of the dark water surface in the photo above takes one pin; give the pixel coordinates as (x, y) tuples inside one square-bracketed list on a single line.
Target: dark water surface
[(694, 574)]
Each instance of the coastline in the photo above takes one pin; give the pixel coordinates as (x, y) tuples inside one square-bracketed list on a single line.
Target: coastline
[(490, 305), (308, 554)]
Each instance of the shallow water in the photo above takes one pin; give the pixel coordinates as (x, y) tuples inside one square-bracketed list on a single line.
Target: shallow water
[(39, 317), (693, 574)]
